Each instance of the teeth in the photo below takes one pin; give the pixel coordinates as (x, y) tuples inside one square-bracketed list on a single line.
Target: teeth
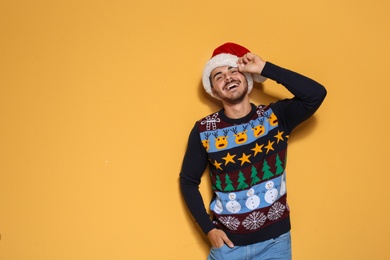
[(231, 86)]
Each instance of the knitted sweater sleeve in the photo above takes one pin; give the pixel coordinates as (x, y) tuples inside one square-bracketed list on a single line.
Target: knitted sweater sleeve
[(308, 96), (193, 167)]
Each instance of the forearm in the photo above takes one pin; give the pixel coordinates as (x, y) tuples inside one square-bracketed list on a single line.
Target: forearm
[(194, 165), (308, 96), (195, 205), (309, 92)]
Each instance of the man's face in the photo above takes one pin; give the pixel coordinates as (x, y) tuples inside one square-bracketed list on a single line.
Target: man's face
[(228, 84)]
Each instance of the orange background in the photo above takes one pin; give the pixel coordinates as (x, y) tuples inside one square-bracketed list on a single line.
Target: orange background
[(97, 99)]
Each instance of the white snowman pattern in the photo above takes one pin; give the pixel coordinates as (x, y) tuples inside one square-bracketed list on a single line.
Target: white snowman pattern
[(253, 201), (218, 207), (272, 194), (233, 206), (283, 186)]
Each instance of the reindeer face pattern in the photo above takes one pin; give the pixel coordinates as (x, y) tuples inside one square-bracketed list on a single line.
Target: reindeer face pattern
[(221, 142), (206, 142), (219, 137), (258, 130), (273, 120), (241, 137)]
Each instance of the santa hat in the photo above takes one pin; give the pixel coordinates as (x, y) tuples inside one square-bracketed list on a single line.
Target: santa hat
[(227, 55)]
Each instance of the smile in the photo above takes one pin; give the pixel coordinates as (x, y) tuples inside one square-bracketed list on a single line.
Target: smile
[(231, 86)]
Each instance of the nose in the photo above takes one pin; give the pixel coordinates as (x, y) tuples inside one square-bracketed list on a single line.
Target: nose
[(228, 78)]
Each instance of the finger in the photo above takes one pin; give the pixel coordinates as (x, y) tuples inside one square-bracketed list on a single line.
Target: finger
[(250, 56), (241, 67), (240, 61), (245, 58), (227, 241)]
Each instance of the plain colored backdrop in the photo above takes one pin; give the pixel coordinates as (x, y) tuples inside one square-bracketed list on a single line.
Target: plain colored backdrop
[(97, 99)]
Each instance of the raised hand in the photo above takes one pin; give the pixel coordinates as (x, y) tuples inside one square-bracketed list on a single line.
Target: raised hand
[(251, 63)]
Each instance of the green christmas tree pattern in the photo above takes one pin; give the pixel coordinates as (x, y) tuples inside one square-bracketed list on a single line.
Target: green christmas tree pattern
[(229, 184), (218, 183), (279, 165), (241, 182), (267, 171), (254, 176)]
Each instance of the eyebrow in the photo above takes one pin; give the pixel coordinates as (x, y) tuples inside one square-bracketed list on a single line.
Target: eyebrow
[(220, 72)]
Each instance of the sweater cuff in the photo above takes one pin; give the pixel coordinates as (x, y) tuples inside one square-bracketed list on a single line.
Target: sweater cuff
[(270, 70), (207, 226)]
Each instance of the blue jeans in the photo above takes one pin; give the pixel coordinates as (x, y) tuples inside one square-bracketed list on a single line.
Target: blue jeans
[(274, 249)]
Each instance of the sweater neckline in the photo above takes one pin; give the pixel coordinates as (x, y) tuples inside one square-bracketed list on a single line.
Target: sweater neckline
[(236, 121)]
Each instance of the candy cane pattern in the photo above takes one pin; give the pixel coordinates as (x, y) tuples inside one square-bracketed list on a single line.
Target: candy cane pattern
[(211, 121)]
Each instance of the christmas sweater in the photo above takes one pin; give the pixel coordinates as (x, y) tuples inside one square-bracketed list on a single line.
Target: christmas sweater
[(247, 162)]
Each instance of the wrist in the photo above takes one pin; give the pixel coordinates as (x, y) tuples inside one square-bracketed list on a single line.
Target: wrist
[(261, 66), (212, 231)]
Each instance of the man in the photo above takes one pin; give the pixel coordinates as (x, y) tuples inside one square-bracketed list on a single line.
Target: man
[(245, 147)]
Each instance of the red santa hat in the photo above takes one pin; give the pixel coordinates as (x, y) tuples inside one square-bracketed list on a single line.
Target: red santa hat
[(227, 55)]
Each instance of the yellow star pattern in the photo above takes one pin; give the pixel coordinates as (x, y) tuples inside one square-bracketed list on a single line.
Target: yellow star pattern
[(269, 146), (257, 149), (279, 136), (229, 158), (217, 165), (244, 158)]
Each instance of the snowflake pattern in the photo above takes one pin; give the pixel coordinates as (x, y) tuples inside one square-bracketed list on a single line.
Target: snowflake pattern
[(254, 221), (230, 222), (276, 211)]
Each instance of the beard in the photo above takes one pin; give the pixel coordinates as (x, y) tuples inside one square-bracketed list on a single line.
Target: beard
[(236, 99)]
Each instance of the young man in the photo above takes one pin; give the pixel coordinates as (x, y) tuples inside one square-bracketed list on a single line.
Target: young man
[(245, 147)]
